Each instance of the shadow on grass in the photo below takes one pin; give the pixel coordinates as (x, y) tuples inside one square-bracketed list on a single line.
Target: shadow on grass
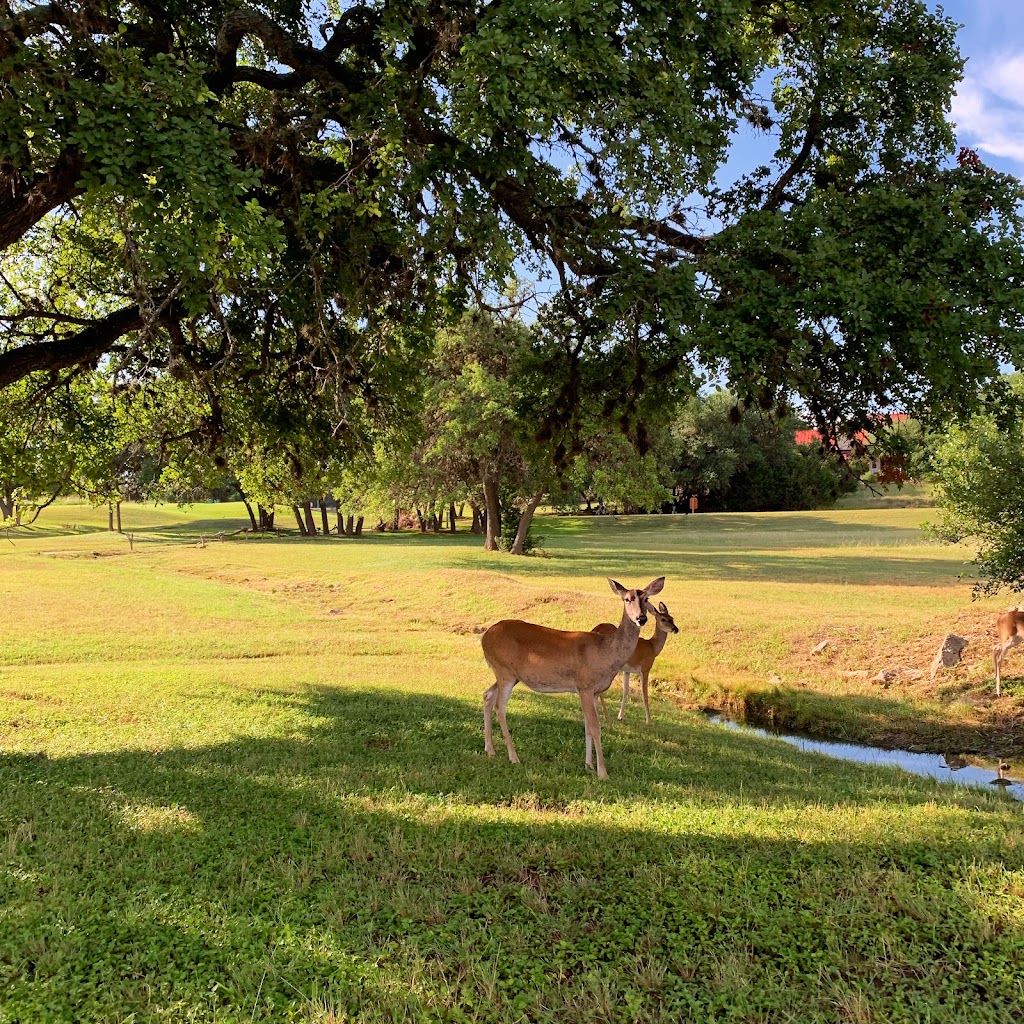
[(753, 567), (822, 526), (378, 865), (732, 529), (375, 741), (235, 531)]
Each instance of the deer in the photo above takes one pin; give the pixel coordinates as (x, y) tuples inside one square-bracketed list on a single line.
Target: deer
[(643, 656), (1010, 631), (561, 661)]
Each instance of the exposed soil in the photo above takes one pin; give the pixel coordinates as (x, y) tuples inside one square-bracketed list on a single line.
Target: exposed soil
[(862, 687)]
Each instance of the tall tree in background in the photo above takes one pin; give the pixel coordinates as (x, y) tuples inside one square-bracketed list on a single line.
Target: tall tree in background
[(162, 165), (745, 460), (46, 438), (485, 389), (979, 488)]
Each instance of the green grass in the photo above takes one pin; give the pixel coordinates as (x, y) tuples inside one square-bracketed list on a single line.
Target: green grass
[(245, 782), (910, 495)]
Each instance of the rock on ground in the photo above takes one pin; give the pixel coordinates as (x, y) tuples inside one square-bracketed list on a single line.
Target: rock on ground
[(950, 653)]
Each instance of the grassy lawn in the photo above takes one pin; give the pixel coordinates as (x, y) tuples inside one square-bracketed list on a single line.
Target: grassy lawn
[(243, 780)]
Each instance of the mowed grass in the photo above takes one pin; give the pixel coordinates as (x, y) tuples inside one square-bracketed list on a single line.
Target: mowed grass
[(244, 780)]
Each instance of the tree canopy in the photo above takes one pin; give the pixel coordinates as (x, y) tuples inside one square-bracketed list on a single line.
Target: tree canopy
[(289, 200)]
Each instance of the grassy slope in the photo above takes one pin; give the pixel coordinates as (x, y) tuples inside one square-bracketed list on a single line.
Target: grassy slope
[(245, 782)]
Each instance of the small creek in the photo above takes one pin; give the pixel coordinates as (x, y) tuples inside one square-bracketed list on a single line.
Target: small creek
[(945, 768)]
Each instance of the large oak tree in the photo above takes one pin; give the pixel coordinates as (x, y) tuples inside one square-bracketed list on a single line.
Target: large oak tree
[(237, 193)]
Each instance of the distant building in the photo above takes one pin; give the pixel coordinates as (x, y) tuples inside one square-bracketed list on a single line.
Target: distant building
[(888, 468), (802, 437)]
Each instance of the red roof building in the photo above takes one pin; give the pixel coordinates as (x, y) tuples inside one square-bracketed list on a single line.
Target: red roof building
[(885, 467), (807, 437)]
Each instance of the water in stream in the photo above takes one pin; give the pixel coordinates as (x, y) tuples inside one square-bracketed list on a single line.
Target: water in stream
[(944, 767)]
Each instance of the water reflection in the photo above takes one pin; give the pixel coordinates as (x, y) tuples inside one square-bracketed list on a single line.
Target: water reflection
[(952, 768)]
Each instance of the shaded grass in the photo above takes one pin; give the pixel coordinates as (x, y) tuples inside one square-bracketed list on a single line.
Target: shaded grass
[(362, 858), (245, 782)]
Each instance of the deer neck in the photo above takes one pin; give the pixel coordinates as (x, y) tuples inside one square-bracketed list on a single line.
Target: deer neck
[(657, 641), (622, 642)]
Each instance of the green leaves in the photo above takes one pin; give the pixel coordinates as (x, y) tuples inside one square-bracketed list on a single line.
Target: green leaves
[(48, 440), (379, 172), (980, 490), (740, 459), (872, 299)]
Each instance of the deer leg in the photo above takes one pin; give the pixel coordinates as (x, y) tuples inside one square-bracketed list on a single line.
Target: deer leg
[(1002, 649), (489, 697), (588, 743), (504, 692), (588, 701), (644, 677), (625, 695)]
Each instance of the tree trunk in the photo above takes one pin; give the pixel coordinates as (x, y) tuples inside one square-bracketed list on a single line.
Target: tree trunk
[(359, 527), (462, 509), (493, 503), (349, 529), (119, 530), (252, 515), (396, 519), (323, 517), (340, 520), (110, 517), (475, 526), (266, 517), (298, 519), (307, 512), (451, 515), (524, 524), (435, 520), (6, 506), (422, 521)]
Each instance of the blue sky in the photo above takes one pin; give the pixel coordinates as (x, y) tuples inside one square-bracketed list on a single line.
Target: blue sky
[(989, 106)]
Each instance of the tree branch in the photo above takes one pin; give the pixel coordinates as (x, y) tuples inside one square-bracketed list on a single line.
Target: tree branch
[(309, 63), (46, 314), (23, 204), (777, 196), (46, 504), (84, 347)]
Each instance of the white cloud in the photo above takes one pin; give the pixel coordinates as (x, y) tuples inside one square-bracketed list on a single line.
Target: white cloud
[(988, 107), (1005, 77)]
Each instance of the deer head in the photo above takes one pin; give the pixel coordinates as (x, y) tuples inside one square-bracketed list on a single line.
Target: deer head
[(635, 601), (661, 614)]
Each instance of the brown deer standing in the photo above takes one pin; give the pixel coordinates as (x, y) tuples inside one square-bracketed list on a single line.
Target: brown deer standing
[(643, 656), (559, 661), (1010, 630)]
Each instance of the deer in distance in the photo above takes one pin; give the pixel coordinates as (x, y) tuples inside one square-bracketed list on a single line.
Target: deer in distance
[(561, 661), (1010, 630), (643, 656)]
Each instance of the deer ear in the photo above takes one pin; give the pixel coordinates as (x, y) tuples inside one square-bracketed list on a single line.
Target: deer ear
[(618, 588), (654, 587), (663, 609)]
